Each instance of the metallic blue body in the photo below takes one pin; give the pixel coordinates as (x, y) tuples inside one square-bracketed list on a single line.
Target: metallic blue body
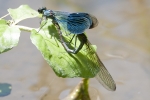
[(75, 23)]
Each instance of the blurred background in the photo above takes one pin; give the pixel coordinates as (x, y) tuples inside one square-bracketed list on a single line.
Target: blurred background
[(122, 38)]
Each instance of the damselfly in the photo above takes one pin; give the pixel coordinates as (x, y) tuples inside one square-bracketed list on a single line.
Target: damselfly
[(74, 23)]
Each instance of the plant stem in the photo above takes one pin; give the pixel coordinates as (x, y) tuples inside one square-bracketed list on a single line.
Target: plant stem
[(4, 16), (24, 28), (80, 92)]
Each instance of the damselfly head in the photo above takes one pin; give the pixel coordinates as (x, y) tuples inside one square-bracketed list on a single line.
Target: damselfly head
[(46, 13), (41, 10)]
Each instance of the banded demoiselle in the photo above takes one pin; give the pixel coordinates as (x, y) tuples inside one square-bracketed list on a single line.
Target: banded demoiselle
[(77, 23), (74, 23)]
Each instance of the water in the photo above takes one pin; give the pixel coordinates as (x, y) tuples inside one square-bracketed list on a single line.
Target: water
[(122, 38)]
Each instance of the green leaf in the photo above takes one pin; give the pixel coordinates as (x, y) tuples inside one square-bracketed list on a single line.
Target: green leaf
[(3, 22), (22, 12), (64, 64), (9, 36)]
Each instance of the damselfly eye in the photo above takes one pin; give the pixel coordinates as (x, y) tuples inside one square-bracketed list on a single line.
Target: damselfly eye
[(40, 10)]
